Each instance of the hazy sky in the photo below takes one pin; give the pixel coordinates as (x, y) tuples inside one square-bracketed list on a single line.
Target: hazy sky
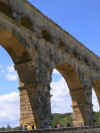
[(79, 18)]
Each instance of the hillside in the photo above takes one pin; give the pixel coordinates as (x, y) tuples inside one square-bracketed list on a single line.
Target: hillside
[(65, 120)]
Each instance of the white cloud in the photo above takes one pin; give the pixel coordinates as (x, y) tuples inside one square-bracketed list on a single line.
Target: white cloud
[(9, 109), (55, 71), (60, 88), (11, 74), (11, 68), (61, 100), (11, 77), (8, 72), (95, 101)]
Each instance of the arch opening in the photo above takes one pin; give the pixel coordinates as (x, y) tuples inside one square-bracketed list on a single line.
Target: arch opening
[(95, 101), (81, 103), (96, 107), (76, 92), (61, 103), (9, 94)]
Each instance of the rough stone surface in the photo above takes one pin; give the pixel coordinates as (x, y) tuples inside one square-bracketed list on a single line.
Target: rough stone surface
[(37, 46)]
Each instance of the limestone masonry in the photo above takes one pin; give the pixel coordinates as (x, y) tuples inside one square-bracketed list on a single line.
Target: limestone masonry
[(37, 46)]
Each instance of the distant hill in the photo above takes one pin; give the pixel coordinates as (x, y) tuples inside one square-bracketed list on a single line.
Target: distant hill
[(65, 120)]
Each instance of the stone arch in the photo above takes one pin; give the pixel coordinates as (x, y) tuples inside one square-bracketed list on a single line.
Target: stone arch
[(13, 46), (81, 96), (12, 41), (34, 92)]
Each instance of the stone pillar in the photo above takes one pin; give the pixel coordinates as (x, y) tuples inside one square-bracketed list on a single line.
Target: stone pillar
[(35, 106), (82, 106), (40, 100), (27, 118)]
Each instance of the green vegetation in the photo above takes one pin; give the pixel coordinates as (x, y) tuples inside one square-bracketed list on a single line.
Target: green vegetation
[(65, 120), (97, 118)]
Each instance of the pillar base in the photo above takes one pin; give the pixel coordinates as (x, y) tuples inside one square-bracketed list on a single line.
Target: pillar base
[(26, 113), (78, 123)]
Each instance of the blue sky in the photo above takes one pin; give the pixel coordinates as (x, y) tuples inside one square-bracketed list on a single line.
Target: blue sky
[(79, 18)]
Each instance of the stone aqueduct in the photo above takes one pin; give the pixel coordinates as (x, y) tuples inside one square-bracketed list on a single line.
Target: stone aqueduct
[(37, 46)]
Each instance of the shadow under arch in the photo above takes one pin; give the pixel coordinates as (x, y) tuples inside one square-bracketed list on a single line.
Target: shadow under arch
[(81, 115)]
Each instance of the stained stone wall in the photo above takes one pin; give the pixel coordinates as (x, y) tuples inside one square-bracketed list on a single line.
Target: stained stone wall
[(37, 46)]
